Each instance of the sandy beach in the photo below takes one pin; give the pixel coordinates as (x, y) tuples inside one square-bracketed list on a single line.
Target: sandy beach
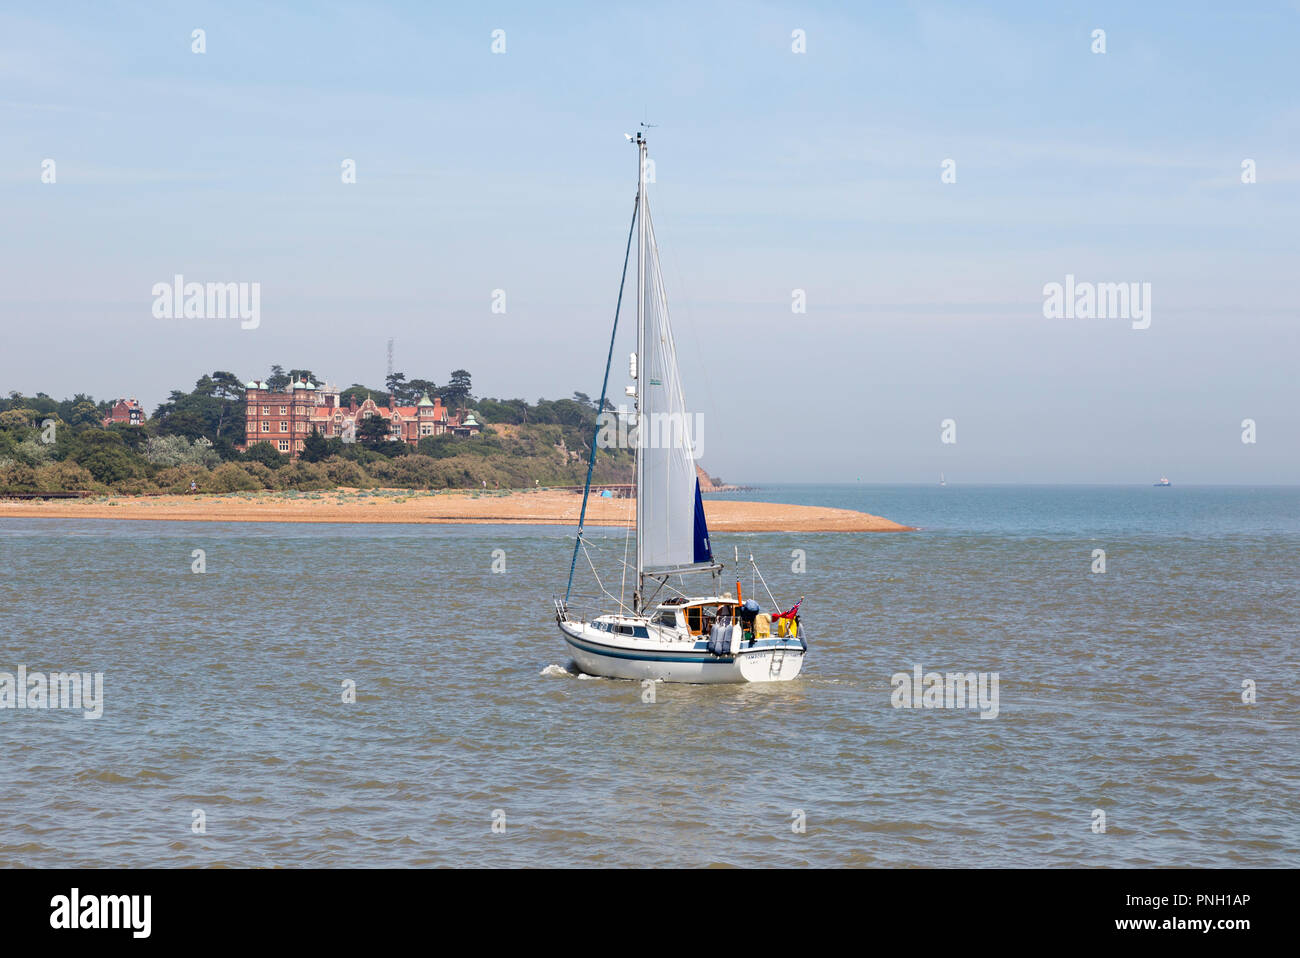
[(395, 505)]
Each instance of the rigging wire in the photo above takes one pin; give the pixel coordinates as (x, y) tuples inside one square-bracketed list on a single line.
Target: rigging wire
[(587, 546), (595, 575), (604, 386), (776, 605), (627, 538)]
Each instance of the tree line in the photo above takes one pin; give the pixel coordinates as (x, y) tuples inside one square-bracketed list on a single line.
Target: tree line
[(51, 445)]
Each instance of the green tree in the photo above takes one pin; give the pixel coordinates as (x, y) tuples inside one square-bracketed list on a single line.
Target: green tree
[(84, 413), (228, 390), (223, 385), (185, 414), (457, 392), (361, 393), (316, 448), (373, 432), (81, 410), (105, 457), (17, 418), (134, 438), (438, 447), (278, 380), (398, 388), (215, 410), (506, 410), (421, 387), (266, 454)]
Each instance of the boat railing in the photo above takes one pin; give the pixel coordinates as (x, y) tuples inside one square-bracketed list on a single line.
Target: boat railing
[(568, 613)]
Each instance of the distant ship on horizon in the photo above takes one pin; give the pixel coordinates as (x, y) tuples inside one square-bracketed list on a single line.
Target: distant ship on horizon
[(942, 480), (1164, 481)]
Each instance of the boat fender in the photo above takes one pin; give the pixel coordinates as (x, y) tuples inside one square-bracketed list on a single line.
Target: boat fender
[(724, 640), (718, 640)]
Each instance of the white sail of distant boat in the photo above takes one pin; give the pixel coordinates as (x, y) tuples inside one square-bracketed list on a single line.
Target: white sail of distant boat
[(664, 633), (942, 481)]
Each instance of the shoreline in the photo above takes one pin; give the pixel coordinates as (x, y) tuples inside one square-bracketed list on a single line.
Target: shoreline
[(450, 507)]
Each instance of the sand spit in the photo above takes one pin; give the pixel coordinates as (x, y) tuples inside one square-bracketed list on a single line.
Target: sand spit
[(550, 507)]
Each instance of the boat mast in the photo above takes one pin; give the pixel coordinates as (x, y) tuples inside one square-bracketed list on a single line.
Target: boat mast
[(639, 402)]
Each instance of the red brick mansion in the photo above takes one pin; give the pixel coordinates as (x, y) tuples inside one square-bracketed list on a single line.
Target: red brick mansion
[(126, 412), (286, 419)]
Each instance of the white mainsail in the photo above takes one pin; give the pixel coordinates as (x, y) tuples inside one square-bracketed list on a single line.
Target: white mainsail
[(671, 532)]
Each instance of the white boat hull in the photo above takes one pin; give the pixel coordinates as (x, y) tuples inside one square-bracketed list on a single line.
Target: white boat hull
[(597, 652)]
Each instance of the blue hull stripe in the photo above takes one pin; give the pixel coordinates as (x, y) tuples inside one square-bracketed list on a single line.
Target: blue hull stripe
[(645, 657), (672, 656)]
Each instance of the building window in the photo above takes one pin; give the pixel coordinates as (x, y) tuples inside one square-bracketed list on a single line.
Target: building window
[(266, 410), (284, 410), (266, 426), (284, 445), (298, 444), (284, 426)]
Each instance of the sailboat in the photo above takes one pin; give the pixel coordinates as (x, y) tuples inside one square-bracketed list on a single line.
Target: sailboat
[(665, 632), (942, 480)]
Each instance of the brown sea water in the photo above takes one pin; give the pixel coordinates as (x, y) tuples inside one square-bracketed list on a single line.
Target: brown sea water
[(1119, 691)]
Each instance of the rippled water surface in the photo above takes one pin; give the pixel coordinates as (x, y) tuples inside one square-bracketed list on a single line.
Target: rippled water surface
[(1118, 691)]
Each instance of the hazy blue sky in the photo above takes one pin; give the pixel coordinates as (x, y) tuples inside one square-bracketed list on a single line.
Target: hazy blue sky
[(775, 171)]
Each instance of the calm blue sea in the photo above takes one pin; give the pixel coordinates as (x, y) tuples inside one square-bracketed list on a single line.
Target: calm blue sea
[(1120, 692)]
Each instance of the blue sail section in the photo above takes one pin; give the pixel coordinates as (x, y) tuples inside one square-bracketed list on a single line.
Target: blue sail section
[(703, 551)]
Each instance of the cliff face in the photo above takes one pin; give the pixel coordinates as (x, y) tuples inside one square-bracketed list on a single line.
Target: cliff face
[(710, 484)]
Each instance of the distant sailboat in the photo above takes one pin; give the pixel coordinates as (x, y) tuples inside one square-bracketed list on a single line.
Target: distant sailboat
[(942, 480), (665, 633), (1164, 481)]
